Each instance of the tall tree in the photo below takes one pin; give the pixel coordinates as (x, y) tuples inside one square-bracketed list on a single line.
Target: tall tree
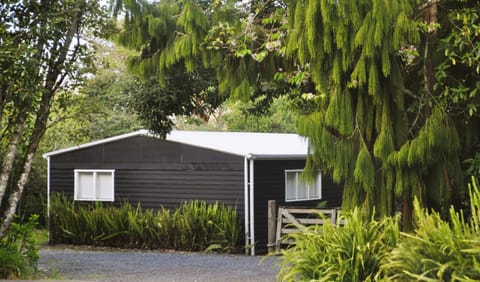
[(214, 42), (383, 128), (392, 111), (43, 51)]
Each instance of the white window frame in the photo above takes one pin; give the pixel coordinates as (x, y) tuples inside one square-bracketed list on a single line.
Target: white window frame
[(317, 183), (94, 174)]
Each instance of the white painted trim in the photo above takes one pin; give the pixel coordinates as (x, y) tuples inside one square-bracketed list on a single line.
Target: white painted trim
[(94, 171), (246, 206), (48, 197), (252, 210)]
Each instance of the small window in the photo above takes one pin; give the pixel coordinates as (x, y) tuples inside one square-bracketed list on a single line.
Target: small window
[(298, 190), (94, 185)]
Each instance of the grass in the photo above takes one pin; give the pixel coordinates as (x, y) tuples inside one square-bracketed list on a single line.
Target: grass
[(41, 237)]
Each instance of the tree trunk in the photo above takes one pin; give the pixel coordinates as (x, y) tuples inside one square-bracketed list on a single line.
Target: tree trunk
[(34, 141), (16, 194), (9, 158), (407, 213), (53, 81), (430, 47), (3, 95)]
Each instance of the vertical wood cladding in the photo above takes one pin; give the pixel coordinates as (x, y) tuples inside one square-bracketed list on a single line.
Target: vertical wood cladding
[(269, 184), (156, 173)]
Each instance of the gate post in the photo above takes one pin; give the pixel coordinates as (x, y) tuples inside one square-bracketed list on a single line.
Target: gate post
[(272, 225)]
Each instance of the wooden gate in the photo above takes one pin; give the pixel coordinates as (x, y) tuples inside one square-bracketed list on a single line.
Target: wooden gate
[(290, 220)]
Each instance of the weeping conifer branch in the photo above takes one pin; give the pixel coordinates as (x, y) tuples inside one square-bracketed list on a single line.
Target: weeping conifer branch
[(378, 127), (356, 46)]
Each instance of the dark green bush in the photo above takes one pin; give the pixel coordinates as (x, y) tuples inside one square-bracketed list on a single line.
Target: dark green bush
[(372, 250), (439, 250), (18, 252), (193, 226), (352, 252)]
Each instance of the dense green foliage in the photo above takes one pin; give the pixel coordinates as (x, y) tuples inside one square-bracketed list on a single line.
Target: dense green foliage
[(194, 226), (381, 127), (371, 250), (174, 37), (392, 85), (18, 251), (184, 94), (246, 116), (439, 250), (45, 51), (353, 252)]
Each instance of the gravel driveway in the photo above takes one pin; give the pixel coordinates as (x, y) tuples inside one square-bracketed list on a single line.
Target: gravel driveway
[(121, 265)]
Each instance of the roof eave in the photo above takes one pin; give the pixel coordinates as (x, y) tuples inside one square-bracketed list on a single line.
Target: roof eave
[(277, 157)]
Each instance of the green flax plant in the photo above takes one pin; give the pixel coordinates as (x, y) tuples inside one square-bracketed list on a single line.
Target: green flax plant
[(352, 252), (194, 226), (439, 250), (199, 225)]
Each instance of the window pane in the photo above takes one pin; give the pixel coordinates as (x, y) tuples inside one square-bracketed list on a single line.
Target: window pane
[(302, 189), (85, 186), (104, 186), (290, 185), (314, 189)]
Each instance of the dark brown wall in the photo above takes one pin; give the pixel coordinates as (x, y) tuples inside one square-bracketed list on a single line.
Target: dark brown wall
[(156, 173), (269, 184)]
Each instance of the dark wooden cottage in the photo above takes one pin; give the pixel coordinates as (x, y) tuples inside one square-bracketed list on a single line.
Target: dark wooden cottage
[(235, 168)]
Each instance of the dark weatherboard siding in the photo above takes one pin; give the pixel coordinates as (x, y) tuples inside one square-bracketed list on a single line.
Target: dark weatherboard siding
[(156, 173), (270, 185)]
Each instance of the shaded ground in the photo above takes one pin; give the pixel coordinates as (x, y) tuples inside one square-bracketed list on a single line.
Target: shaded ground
[(94, 265)]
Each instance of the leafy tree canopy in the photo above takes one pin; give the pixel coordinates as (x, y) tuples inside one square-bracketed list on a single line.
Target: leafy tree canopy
[(390, 87), (44, 50), (179, 41), (249, 116)]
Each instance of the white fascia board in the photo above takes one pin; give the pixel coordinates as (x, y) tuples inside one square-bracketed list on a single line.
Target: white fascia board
[(277, 157)]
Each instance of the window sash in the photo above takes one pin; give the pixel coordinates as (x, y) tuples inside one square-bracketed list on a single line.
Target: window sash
[(94, 185), (297, 190)]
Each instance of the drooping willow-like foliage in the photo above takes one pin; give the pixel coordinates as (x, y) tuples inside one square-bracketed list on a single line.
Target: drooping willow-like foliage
[(387, 119), (363, 131)]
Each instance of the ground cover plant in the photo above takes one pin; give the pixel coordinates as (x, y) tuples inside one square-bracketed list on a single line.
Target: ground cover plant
[(18, 251), (367, 249), (331, 252), (439, 250), (194, 226)]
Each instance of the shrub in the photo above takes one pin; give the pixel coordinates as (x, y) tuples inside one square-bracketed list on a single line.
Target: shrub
[(199, 225), (439, 250), (352, 252), (18, 252), (193, 226)]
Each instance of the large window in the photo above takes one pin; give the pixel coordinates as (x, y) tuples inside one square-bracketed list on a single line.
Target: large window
[(298, 190), (94, 185)]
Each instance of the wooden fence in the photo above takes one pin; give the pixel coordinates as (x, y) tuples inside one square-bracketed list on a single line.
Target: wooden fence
[(290, 220)]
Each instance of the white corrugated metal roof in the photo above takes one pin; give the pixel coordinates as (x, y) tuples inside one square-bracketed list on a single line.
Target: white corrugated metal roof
[(247, 144)]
